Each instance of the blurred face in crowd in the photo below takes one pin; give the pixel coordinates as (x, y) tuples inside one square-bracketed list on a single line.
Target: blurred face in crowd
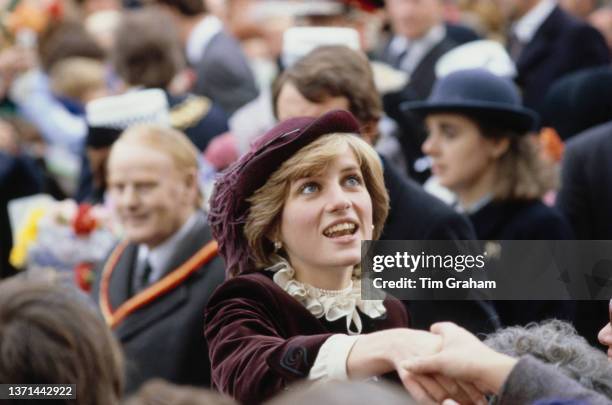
[(462, 158), (413, 18), (291, 103), (93, 6), (580, 8), (515, 9), (153, 198), (605, 334), (8, 138), (326, 216), (602, 20), (97, 158)]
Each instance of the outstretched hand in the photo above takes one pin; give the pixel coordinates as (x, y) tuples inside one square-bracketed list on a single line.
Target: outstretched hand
[(431, 388), (464, 359)]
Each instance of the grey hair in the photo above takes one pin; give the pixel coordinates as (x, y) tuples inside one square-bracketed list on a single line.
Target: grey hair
[(557, 343)]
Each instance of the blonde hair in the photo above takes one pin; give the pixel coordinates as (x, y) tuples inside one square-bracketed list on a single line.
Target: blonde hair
[(522, 174), (169, 141), (267, 202), (76, 76)]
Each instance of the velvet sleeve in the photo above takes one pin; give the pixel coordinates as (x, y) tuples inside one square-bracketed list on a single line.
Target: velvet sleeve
[(253, 352)]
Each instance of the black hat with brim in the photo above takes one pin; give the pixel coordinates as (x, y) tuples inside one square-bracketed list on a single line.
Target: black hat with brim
[(480, 94)]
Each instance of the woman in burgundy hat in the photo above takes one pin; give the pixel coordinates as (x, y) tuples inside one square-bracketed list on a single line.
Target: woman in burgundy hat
[(289, 217)]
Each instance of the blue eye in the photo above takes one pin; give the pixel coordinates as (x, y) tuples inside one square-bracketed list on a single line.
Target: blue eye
[(353, 181), (309, 188)]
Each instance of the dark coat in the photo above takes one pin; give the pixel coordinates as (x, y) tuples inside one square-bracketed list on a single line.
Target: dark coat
[(524, 220), (585, 199), (520, 220), (164, 338), (422, 78), (532, 380), (411, 133), (19, 177), (261, 339), (563, 44), (461, 34), (224, 74), (416, 215)]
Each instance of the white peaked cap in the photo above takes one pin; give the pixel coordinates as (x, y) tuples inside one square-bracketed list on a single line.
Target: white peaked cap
[(304, 8), (148, 106), (299, 41), (485, 54), (103, 21)]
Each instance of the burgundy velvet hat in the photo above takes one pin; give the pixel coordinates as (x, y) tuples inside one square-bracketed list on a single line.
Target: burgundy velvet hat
[(228, 206)]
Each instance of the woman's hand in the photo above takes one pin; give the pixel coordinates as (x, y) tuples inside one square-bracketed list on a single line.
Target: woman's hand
[(381, 352), (465, 359)]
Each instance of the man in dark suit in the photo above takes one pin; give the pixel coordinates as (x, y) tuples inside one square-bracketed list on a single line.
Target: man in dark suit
[(154, 285), (414, 214), (419, 39), (586, 183), (223, 73), (585, 199), (547, 43)]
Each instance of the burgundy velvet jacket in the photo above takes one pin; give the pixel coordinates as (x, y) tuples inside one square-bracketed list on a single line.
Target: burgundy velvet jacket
[(261, 339)]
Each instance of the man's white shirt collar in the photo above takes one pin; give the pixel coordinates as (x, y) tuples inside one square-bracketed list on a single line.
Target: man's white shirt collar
[(418, 47), (200, 37), (160, 256), (527, 26)]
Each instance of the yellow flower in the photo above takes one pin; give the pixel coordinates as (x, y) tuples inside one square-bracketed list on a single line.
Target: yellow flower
[(25, 237)]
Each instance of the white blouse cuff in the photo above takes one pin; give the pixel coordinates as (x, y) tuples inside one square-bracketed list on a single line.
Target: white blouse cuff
[(331, 360)]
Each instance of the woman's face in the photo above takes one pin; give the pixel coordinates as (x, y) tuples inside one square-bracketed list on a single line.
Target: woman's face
[(326, 216), (460, 155)]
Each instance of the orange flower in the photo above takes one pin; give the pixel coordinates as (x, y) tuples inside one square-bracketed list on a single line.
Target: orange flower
[(27, 16), (552, 145)]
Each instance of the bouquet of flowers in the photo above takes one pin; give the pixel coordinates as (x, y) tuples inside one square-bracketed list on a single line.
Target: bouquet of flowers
[(32, 15), (65, 239)]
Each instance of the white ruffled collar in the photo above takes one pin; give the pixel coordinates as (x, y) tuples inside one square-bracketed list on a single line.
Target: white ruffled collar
[(331, 304)]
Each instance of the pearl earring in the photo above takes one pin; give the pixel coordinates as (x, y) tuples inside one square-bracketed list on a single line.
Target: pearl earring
[(278, 245)]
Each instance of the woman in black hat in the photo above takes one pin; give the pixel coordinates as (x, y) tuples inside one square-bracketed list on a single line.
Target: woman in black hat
[(289, 217), (480, 148)]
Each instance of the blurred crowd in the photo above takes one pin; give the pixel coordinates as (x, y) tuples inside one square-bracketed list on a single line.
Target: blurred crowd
[(173, 195)]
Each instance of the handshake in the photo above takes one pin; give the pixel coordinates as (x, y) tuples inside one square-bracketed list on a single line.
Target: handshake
[(448, 365)]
